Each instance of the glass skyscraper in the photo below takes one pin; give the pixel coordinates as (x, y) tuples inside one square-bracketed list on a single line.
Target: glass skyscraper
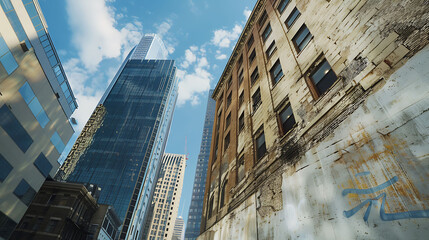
[(121, 147), (196, 207)]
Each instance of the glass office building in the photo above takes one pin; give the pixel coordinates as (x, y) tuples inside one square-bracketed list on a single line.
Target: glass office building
[(196, 207), (36, 103), (127, 140)]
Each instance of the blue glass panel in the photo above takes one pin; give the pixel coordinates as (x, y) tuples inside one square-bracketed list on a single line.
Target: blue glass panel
[(31, 10), (60, 78), (43, 38), (67, 93), (48, 48), (26, 92), (43, 165), (6, 5), (9, 63), (57, 142), (41, 32), (5, 168), (46, 43), (24, 192), (3, 47), (7, 226), (35, 106), (27, 1), (69, 99), (14, 129), (43, 119), (64, 86), (57, 70), (53, 60)]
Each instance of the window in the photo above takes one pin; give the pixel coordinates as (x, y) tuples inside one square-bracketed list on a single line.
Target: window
[(266, 32), (271, 49), (240, 174), (256, 100), (14, 129), (282, 6), (43, 165), (241, 122), (57, 142), (241, 76), (262, 19), (14, 21), (34, 104), (250, 41), (292, 17), (5, 168), (302, 38), (252, 56), (323, 77), (7, 226), (254, 76), (228, 121), (229, 100), (240, 60), (227, 141), (276, 72), (24, 192), (260, 144), (222, 195), (287, 119), (241, 98), (229, 83), (51, 225), (6, 57)]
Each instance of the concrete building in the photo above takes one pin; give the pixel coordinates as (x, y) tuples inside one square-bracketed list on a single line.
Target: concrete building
[(120, 149), (166, 198), (179, 229), (321, 128), (197, 201), (59, 211), (105, 224), (36, 103)]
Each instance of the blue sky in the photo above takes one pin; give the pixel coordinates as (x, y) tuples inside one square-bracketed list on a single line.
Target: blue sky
[(92, 38)]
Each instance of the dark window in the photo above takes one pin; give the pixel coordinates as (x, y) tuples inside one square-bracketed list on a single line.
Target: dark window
[(5, 168), (254, 76), (261, 149), (287, 119), (241, 76), (229, 83), (228, 121), (229, 100), (262, 19), (14, 129), (222, 195), (250, 41), (282, 6), (227, 141), (240, 60), (252, 56), (43, 165), (266, 32), (24, 192), (51, 225), (302, 38), (256, 100), (276, 72), (7, 226), (241, 122), (323, 77), (271, 49), (292, 17), (211, 202), (241, 98)]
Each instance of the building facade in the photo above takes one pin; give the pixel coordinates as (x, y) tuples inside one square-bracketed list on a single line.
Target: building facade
[(321, 124), (59, 211), (36, 103), (197, 201), (122, 148), (179, 229), (166, 198)]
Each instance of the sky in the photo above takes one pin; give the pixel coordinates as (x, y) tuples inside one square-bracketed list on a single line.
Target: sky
[(92, 38)]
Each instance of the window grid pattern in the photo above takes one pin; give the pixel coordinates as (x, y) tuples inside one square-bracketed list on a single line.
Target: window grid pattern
[(57, 142), (34, 104), (6, 58), (14, 21)]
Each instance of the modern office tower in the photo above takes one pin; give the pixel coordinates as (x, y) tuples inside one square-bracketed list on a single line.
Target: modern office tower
[(166, 198), (36, 103), (121, 147), (179, 228), (197, 201), (321, 128)]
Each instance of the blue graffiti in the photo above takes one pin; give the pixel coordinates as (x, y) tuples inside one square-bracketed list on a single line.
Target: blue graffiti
[(383, 215), (362, 174)]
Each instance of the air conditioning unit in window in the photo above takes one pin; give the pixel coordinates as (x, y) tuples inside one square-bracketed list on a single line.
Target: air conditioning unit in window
[(24, 46)]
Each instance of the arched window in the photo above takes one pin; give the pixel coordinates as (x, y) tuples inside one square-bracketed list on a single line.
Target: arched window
[(222, 194), (211, 202)]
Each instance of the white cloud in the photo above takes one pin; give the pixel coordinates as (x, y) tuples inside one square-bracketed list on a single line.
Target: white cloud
[(247, 12), (223, 38), (162, 31), (190, 58), (193, 85), (95, 35), (221, 57), (203, 63)]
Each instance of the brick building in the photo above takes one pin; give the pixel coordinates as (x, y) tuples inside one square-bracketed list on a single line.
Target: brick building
[(322, 110)]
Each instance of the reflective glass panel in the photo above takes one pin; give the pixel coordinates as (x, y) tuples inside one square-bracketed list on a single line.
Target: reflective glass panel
[(14, 129), (9, 62), (24, 192), (43, 165), (26, 92), (5, 168)]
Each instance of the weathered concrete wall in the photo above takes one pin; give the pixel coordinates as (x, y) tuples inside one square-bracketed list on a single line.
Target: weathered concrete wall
[(366, 180)]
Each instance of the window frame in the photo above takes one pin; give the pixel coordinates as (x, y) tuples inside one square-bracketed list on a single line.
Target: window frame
[(275, 79), (241, 122), (310, 81), (256, 105), (254, 76), (298, 47), (290, 16), (260, 133), (252, 56), (282, 130), (271, 50), (265, 35), (284, 7)]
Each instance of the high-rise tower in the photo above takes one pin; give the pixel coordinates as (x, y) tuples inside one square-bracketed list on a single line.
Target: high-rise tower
[(36, 102), (121, 147), (197, 202)]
